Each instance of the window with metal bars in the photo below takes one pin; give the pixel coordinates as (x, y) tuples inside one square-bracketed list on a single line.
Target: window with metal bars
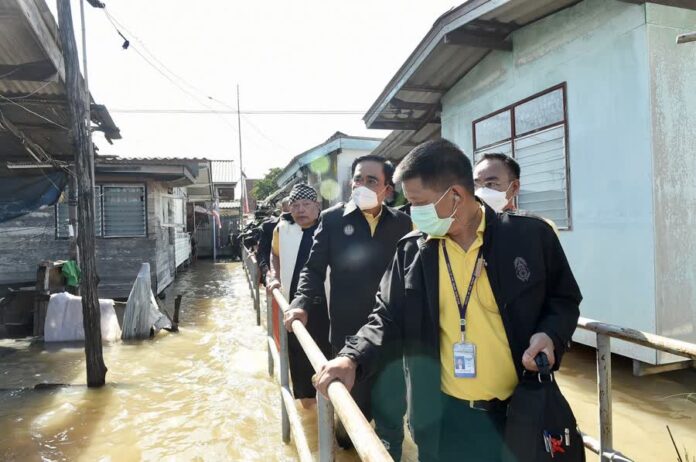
[(533, 132), (63, 215)]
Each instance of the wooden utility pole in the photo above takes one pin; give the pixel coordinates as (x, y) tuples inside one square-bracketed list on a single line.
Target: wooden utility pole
[(82, 143)]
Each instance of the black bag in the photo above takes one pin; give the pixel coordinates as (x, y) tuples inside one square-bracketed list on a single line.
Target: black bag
[(540, 424)]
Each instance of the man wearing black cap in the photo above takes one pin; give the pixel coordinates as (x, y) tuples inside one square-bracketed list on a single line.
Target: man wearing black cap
[(292, 241)]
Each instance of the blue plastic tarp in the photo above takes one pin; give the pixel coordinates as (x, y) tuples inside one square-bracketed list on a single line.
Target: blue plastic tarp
[(24, 194)]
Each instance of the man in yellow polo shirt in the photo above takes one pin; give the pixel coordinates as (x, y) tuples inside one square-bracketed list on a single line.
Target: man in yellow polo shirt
[(473, 296)]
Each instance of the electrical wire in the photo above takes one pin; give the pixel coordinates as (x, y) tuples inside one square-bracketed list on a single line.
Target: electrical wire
[(243, 112), (30, 94)]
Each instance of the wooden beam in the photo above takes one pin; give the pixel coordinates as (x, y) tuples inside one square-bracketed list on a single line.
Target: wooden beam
[(42, 34), (478, 40), (401, 104)]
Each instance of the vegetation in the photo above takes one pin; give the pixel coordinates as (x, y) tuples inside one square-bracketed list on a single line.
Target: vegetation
[(264, 187)]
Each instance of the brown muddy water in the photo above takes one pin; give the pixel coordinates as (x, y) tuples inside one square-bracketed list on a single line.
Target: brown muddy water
[(205, 395)]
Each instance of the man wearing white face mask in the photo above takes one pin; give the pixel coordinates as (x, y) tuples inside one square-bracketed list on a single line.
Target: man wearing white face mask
[(357, 240), (497, 182), (473, 296)]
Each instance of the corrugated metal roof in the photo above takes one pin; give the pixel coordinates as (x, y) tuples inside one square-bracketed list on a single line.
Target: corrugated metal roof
[(223, 171), (32, 84), (412, 98), (148, 159)]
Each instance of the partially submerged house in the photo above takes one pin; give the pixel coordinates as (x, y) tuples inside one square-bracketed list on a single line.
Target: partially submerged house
[(326, 167), (597, 103), (140, 217)]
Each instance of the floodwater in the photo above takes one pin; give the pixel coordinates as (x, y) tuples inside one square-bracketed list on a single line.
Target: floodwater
[(204, 394)]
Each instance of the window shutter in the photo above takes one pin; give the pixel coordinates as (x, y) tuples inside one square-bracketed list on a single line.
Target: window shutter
[(124, 211), (63, 215), (542, 158)]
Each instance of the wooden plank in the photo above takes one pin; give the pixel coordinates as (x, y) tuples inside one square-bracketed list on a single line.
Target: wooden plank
[(42, 34), (478, 40)]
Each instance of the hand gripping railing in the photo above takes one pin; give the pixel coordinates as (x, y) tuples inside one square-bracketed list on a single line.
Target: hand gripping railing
[(365, 440), (605, 446)]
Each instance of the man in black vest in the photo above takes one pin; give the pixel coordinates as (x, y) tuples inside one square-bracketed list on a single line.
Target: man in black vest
[(357, 241)]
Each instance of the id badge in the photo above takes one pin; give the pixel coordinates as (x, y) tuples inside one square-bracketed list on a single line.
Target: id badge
[(464, 360)]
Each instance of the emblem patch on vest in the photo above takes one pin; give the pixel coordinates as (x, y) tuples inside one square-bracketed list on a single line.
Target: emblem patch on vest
[(348, 230), (521, 269)]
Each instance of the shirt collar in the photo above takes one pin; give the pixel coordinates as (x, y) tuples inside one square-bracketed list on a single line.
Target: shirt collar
[(350, 207)]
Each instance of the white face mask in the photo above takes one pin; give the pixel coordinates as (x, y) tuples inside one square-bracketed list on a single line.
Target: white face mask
[(497, 200), (365, 198)]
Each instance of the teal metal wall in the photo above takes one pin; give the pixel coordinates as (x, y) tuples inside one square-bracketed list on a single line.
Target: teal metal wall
[(600, 49)]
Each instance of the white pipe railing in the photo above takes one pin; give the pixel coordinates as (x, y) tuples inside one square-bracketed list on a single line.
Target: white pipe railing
[(605, 332), (367, 444)]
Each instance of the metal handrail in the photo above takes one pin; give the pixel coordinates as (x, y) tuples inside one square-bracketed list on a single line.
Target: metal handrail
[(605, 447), (367, 444)]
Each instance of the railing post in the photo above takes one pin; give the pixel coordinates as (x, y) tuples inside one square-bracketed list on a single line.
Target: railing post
[(269, 329), (284, 377), (257, 294), (604, 392), (325, 417)]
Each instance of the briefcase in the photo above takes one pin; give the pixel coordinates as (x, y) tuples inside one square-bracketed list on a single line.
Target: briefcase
[(540, 423)]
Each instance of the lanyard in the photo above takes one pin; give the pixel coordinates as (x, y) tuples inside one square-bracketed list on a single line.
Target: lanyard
[(475, 274)]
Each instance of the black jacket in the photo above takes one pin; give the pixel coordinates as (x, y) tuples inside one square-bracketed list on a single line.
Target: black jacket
[(357, 260), (533, 286)]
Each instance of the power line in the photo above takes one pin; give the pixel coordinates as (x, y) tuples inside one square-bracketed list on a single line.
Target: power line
[(34, 113), (245, 112)]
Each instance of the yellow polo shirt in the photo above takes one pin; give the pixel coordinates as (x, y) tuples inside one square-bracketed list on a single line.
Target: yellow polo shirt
[(495, 372), (372, 220)]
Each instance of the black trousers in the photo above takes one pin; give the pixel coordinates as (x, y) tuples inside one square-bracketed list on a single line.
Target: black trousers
[(382, 397), (470, 434), (301, 369)]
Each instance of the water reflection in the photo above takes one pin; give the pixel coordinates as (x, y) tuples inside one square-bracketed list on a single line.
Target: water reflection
[(204, 394)]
